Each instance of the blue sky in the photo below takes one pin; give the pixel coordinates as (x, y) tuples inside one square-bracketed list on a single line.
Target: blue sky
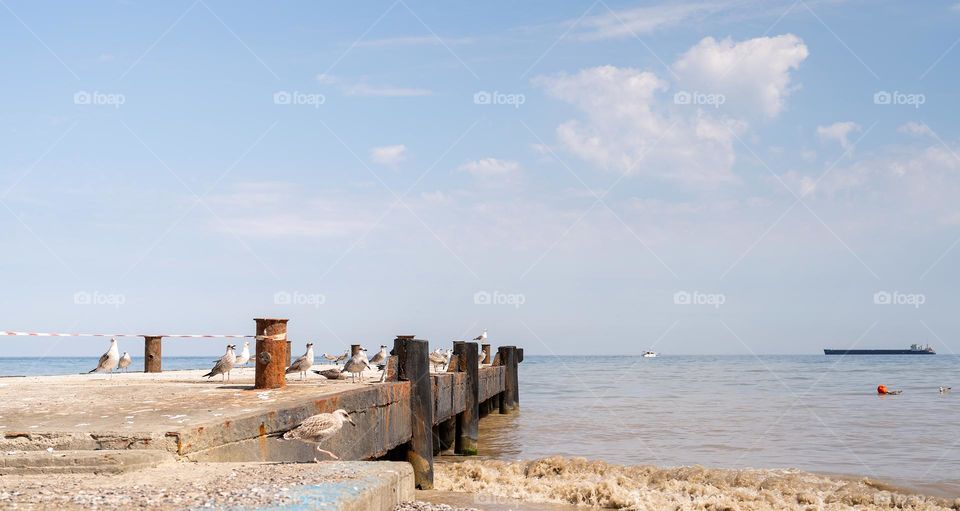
[(722, 176)]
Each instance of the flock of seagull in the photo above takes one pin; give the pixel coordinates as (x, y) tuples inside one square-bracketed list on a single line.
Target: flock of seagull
[(355, 364)]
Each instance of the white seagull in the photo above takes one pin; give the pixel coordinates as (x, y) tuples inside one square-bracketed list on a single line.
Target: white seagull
[(244, 356), (224, 365), (125, 361), (302, 364), (357, 364), (319, 428), (437, 358), (481, 337), (108, 361), (380, 357)]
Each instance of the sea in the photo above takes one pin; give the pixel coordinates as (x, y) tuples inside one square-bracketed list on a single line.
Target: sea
[(810, 412)]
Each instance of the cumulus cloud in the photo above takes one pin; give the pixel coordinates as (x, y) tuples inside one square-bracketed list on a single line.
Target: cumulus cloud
[(838, 132), (915, 128), (490, 168), (627, 128), (388, 154), (753, 75), (629, 123)]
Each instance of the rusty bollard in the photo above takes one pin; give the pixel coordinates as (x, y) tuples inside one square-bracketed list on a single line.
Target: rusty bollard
[(271, 353), (152, 354)]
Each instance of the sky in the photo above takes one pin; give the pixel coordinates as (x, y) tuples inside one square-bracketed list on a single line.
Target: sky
[(607, 177)]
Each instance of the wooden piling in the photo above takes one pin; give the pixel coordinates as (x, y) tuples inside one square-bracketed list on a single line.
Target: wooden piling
[(507, 356), (519, 355), (486, 354), (152, 357), (271, 353), (413, 364), (468, 421), (446, 436)]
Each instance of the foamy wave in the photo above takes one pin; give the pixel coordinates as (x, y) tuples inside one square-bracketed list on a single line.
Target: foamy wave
[(595, 483)]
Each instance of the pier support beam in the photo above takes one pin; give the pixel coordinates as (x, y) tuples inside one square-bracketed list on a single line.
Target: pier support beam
[(152, 354), (446, 436), (413, 363), (486, 354), (507, 356), (271, 353), (468, 421)]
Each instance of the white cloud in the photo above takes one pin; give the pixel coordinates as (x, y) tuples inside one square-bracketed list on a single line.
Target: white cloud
[(752, 75), (642, 20), (389, 154), (624, 129), (838, 132), (915, 128), (387, 91), (490, 168)]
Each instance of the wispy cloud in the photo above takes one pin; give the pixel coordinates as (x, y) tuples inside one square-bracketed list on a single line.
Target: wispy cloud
[(387, 91), (389, 154)]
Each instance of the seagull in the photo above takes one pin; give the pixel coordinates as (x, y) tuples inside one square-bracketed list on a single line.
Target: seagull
[(357, 364), (319, 428), (224, 365), (125, 361), (437, 358), (302, 364), (944, 390), (481, 337), (331, 374), (244, 356), (108, 361), (379, 358), (336, 359)]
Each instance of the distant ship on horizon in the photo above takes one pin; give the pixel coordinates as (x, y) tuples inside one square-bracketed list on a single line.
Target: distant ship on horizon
[(915, 349)]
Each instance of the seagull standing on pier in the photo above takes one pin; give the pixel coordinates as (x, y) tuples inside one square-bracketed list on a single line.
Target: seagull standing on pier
[(319, 428), (224, 365), (357, 364), (108, 361), (244, 356), (437, 358), (125, 361), (380, 358), (302, 364), (482, 337)]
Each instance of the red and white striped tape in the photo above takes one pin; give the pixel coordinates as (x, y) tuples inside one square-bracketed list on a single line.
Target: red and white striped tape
[(187, 336)]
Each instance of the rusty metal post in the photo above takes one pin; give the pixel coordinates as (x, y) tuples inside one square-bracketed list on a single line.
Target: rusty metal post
[(152, 354), (486, 353), (468, 421), (413, 363), (271, 353)]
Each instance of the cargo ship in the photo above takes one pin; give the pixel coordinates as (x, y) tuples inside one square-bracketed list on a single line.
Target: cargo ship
[(915, 349)]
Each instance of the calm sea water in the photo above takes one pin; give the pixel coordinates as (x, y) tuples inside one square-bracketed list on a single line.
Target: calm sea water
[(815, 413)]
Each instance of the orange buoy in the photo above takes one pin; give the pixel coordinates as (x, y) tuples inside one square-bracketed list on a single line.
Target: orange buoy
[(882, 389)]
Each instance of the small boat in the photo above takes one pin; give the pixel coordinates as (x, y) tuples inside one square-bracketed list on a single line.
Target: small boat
[(649, 354)]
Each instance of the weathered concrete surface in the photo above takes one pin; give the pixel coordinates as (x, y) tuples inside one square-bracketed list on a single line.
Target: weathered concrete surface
[(79, 462), (182, 413), (345, 486)]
